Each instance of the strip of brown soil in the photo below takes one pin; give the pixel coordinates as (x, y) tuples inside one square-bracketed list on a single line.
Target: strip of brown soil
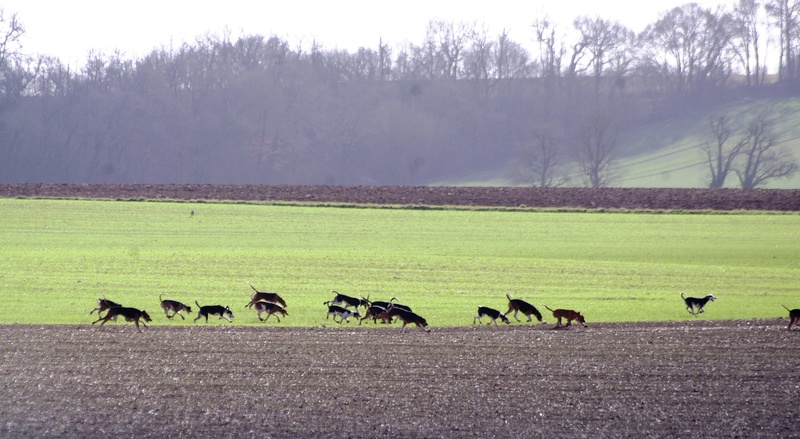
[(582, 198)]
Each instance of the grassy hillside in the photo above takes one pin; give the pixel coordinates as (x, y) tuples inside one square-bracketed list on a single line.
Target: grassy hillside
[(667, 153), (674, 158)]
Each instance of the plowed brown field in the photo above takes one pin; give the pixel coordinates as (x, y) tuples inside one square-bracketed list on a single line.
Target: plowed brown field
[(695, 379), (666, 379)]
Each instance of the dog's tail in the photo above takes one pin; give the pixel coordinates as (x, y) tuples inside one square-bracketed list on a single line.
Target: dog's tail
[(159, 297), (509, 296), (198, 305), (682, 296), (251, 286), (787, 309), (327, 302), (548, 308)]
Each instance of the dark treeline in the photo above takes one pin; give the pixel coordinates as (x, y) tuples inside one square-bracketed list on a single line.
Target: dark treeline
[(258, 110)]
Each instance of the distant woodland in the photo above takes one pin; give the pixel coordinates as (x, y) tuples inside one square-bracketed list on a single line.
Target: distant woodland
[(255, 109)]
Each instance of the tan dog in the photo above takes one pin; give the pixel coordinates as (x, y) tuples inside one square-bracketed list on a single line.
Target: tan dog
[(409, 317), (259, 296), (794, 317), (130, 314), (174, 306), (269, 308), (103, 305), (567, 314)]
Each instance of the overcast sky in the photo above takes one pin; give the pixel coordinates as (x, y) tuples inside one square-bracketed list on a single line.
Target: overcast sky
[(69, 29)]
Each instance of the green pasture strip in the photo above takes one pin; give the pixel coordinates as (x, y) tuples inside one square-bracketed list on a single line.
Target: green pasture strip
[(58, 256)]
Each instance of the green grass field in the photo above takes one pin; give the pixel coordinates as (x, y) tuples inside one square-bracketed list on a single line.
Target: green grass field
[(57, 257)]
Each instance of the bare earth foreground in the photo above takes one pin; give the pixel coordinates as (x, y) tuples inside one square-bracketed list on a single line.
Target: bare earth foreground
[(695, 379), (657, 379)]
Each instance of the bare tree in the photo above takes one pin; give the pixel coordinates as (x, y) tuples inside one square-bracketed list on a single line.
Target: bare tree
[(786, 14), (762, 158), (747, 25), (719, 158), (11, 59), (446, 43), (596, 143), (540, 159), (689, 46), (602, 39), (551, 51)]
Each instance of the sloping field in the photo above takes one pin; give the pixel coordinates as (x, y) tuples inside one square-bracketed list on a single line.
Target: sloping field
[(669, 151)]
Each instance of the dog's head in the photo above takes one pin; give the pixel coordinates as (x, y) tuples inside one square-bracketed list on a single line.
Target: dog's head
[(228, 312), (581, 319), (712, 298), (188, 309), (146, 316), (505, 319)]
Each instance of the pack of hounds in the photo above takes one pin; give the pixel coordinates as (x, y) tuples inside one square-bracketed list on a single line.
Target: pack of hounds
[(344, 308)]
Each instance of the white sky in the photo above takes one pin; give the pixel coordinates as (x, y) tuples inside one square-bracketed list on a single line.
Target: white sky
[(70, 29)]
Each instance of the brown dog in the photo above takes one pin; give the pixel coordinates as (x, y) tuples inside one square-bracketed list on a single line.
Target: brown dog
[(409, 317), (567, 314), (259, 296), (794, 317), (103, 305), (269, 308), (376, 312), (130, 314), (174, 306)]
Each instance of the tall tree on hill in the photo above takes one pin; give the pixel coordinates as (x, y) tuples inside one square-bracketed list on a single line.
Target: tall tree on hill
[(11, 59), (786, 16), (605, 42), (689, 48), (747, 43)]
